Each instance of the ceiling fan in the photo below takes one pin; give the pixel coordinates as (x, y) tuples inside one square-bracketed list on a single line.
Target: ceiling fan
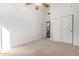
[(39, 4)]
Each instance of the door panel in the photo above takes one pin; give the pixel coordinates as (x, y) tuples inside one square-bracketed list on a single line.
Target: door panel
[(66, 28), (0, 38)]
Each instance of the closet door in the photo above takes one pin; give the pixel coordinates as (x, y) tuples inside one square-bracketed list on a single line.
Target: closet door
[(66, 29)]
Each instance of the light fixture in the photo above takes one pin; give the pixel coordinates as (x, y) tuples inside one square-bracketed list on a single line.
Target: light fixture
[(37, 5), (41, 4)]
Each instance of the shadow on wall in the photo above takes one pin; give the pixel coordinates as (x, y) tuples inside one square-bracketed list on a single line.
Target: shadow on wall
[(5, 39)]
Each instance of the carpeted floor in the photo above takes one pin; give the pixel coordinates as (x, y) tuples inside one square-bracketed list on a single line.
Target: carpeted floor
[(44, 47)]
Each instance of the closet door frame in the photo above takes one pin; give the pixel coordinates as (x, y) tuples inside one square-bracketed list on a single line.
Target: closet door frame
[(72, 27), (1, 38)]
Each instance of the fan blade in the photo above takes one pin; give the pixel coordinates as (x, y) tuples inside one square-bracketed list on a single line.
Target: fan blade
[(28, 3), (45, 4)]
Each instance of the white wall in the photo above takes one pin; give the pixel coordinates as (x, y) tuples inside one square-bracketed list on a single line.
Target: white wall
[(23, 22), (61, 9)]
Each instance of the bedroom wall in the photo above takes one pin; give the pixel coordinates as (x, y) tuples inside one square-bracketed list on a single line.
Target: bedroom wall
[(60, 9), (23, 22)]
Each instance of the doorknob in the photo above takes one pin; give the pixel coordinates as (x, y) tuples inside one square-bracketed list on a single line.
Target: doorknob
[(71, 31)]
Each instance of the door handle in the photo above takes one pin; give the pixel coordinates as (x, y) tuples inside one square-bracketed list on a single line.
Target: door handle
[(71, 31)]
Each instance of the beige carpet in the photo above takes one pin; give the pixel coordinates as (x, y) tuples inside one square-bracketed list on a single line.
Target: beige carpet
[(44, 47)]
